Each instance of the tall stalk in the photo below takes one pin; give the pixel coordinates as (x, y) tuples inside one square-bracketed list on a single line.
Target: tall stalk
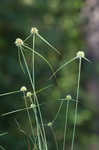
[(76, 107)]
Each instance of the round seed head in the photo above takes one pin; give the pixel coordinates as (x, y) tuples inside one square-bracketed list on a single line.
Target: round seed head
[(34, 30), (28, 94), (80, 54), (33, 106), (68, 97), (18, 42), (23, 89), (49, 124)]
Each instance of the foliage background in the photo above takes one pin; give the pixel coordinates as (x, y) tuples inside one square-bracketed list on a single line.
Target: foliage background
[(63, 24)]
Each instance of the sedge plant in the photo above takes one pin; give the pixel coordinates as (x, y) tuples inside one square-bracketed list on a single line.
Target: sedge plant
[(39, 138)]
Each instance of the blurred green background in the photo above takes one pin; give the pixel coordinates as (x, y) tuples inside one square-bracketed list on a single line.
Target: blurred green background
[(63, 24)]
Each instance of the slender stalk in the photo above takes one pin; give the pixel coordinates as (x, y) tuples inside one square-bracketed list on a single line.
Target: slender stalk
[(34, 96), (42, 89), (23, 132), (76, 107), (46, 42), (38, 128), (2, 148), (67, 108), (27, 38), (2, 134), (4, 94), (51, 128), (28, 116), (59, 109), (32, 87), (19, 57), (15, 111), (62, 66), (33, 73), (41, 56)]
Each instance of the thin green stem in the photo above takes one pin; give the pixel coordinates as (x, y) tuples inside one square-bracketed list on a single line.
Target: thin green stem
[(43, 89), (51, 128), (66, 118), (76, 107), (45, 41), (27, 67), (23, 132), (59, 109), (14, 111), (33, 63), (34, 95), (4, 94), (28, 116), (41, 56), (19, 57), (27, 38), (38, 129), (2, 148), (33, 73), (62, 66), (2, 134)]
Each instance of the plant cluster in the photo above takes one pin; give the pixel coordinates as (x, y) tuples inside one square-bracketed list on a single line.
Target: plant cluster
[(38, 137)]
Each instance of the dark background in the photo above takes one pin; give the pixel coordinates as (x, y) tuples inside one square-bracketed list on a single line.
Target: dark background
[(70, 26)]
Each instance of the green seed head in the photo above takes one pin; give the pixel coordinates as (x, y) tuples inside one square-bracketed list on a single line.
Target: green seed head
[(68, 97), (33, 106), (80, 54), (23, 89), (49, 124), (18, 42), (28, 94), (34, 30)]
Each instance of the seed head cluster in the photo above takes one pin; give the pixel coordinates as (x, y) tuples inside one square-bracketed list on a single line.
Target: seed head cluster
[(33, 106), (68, 97), (49, 124), (19, 42), (34, 30), (23, 89), (80, 54), (28, 94)]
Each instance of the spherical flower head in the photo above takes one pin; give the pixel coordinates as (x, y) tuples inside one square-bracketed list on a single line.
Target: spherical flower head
[(80, 54), (34, 30), (23, 89), (28, 94), (68, 97), (33, 106), (19, 42), (49, 124)]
